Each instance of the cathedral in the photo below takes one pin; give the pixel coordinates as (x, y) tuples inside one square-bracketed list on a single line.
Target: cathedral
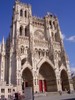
[(33, 54)]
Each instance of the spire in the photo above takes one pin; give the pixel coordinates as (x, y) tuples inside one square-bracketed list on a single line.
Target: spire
[(0, 47), (3, 45), (17, 0), (3, 41)]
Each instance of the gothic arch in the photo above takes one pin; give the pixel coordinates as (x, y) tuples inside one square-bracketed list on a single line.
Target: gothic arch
[(27, 68), (44, 60), (47, 77), (26, 65), (21, 30), (26, 31), (57, 37), (62, 67), (25, 13), (21, 12), (27, 78), (22, 49), (64, 80)]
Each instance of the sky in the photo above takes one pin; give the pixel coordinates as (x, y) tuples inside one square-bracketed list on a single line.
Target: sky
[(63, 9)]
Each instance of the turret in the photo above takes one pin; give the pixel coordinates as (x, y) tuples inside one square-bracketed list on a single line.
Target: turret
[(0, 47), (2, 61), (3, 46), (21, 15)]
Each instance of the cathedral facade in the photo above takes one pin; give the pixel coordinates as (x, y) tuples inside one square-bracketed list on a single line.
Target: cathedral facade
[(34, 54)]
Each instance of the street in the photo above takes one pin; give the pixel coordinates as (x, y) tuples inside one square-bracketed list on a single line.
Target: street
[(56, 97)]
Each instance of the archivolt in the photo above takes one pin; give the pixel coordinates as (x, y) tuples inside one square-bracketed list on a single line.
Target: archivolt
[(43, 61), (26, 65)]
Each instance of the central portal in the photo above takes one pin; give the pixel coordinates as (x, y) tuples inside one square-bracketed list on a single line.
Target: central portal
[(47, 79), (27, 78)]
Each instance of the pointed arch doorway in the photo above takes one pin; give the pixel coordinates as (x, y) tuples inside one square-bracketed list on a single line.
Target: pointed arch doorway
[(47, 78), (27, 78), (64, 81)]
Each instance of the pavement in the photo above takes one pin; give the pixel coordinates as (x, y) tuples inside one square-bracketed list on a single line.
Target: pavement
[(64, 96)]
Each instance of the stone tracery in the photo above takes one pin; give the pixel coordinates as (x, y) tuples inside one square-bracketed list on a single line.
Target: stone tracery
[(34, 56)]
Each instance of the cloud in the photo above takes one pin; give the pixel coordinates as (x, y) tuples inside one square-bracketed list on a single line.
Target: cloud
[(73, 69), (63, 36), (71, 38)]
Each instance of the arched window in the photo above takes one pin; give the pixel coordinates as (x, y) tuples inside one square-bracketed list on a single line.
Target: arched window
[(47, 53), (43, 52), (54, 24), (50, 23), (21, 30), (52, 35), (23, 61), (57, 37), (21, 12), (39, 53), (25, 13), (26, 31), (22, 49)]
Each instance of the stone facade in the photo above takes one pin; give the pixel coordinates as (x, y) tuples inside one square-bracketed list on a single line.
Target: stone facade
[(34, 54)]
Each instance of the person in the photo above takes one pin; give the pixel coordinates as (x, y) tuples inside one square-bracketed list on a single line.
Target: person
[(60, 92), (16, 96), (13, 95), (68, 91), (65, 90)]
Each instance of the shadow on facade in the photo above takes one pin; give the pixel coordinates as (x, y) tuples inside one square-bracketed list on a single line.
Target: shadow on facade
[(69, 99)]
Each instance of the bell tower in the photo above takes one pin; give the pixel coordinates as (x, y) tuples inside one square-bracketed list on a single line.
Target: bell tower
[(20, 20), (2, 61)]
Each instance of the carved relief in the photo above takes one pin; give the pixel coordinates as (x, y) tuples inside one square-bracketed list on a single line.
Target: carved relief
[(32, 46), (39, 35)]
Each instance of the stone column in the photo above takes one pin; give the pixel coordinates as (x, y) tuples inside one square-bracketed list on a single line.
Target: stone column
[(59, 86), (69, 73), (35, 82), (70, 81), (71, 85), (58, 80), (18, 74), (10, 70), (44, 86)]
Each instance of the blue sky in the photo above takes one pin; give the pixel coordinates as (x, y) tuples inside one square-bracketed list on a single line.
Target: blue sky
[(63, 9)]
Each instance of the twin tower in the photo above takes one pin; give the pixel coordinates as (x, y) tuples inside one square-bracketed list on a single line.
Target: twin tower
[(33, 54)]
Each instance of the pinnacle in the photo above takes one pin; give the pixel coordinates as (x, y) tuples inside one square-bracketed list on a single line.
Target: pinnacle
[(17, 0), (3, 41)]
